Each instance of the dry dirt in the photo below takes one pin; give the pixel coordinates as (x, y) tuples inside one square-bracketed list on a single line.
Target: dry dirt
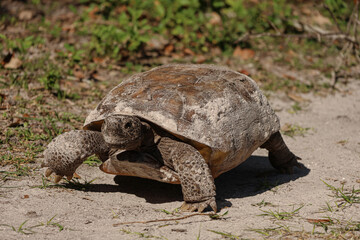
[(330, 151)]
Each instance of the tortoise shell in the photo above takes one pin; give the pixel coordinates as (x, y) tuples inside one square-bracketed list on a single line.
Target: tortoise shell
[(222, 113)]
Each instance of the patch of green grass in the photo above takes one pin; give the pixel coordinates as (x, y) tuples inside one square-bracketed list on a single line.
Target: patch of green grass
[(293, 130), (51, 81), (198, 236), (20, 229), (165, 211), (263, 203), (141, 235), (21, 45), (18, 79), (279, 215), (275, 84), (55, 224), (336, 228), (93, 161), (25, 133), (20, 168), (323, 223), (329, 208), (79, 184), (225, 235), (131, 68), (279, 230), (295, 108), (29, 230), (345, 196), (218, 216), (46, 183)]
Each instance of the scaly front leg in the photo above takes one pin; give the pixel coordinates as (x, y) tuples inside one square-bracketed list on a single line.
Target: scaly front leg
[(196, 180), (68, 151)]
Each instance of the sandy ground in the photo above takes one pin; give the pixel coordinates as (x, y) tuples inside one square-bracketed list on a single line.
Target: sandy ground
[(330, 152)]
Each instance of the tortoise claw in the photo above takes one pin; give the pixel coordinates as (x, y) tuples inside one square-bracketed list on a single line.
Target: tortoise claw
[(185, 207), (202, 206), (48, 172), (76, 175), (57, 178), (213, 205), (199, 206)]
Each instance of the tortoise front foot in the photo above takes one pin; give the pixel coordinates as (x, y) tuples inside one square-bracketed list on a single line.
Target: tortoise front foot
[(199, 206), (58, 177), (67, 152)]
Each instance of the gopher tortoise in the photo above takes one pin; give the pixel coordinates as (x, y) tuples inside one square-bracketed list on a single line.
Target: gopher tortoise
[(180, 124)]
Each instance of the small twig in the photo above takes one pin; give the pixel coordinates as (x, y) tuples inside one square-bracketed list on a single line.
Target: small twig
[(333, 17), (273, 26), (356, 20), (352, 17), (163, 220)]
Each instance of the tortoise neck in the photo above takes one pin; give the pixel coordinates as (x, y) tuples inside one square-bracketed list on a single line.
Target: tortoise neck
[(148, 135)]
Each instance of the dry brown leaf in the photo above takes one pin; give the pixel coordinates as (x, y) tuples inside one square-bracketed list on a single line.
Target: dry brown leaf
[(244, 54), (215, 19), (15, 123), (93, 13), (157, 43), (244, 71), (286, 127), (68, 27), (3, 96), (318, 220), (342, 142), (291, 77), (292, 53), (26, 15), (188, 51), (320, 20), (96, 76), (168, 49), (78, 73), (177, 55), (98, 60), (121, 9), (6, 59), (200, 59), (296, 98), (216, 51), (14, 63)]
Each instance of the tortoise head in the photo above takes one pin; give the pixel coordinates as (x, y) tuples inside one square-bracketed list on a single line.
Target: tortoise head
[(122, 132)]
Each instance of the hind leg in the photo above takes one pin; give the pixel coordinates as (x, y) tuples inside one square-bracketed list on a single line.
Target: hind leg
[(280, 156)]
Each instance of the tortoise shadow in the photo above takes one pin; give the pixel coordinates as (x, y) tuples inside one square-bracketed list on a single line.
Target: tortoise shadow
[(253, 177), (250, 178)]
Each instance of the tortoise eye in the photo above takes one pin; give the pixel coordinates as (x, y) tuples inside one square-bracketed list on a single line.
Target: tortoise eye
[(128, 125)]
